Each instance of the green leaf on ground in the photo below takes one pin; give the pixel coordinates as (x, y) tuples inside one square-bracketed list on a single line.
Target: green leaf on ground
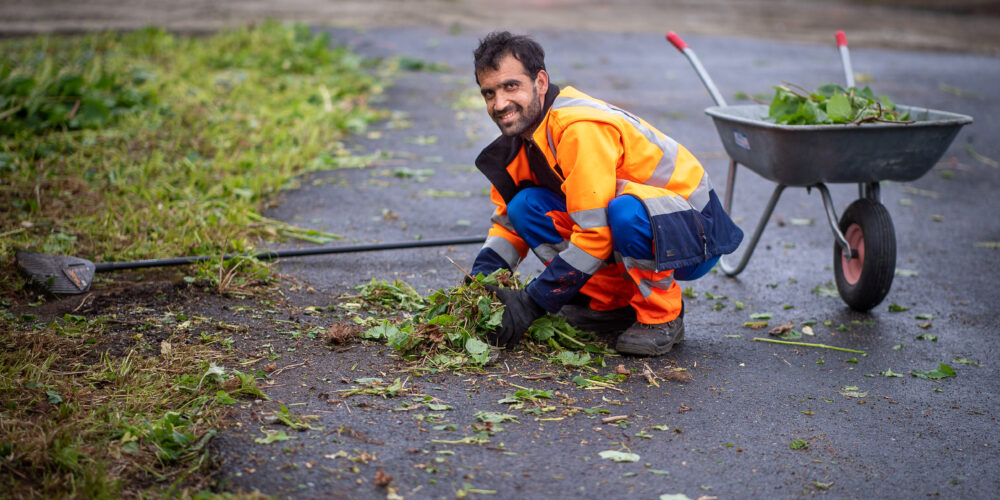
[(822, 486), (851, 391), (619, 456), (495, 417), (273, 436), (53, 397), (825, 291), (569, 358), (943, 371), (798, 444)]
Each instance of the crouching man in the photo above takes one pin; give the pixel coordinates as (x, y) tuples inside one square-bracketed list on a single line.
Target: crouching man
[(616, 210)]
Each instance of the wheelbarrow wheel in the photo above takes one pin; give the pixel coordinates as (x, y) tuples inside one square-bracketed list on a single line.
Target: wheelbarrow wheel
[(863, 281)]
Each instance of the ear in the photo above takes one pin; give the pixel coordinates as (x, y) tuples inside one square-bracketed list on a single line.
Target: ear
[(542, 82)]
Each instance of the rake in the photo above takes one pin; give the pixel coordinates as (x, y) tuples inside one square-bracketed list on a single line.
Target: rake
[(66, 275)]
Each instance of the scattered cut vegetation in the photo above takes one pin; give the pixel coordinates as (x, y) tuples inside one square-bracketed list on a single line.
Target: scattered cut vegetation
[(447, 330)]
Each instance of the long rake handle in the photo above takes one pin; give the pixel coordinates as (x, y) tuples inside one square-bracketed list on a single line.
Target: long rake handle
[(271, 255)]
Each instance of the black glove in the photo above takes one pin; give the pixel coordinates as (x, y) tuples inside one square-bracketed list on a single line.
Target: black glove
[(520, 310)]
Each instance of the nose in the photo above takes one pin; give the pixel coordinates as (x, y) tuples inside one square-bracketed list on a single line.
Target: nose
[(500, 101)]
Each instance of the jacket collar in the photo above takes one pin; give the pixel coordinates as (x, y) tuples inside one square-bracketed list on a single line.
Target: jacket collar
[(503, 149), (550, 97)]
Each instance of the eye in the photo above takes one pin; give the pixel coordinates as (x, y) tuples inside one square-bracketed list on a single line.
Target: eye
[(510, 85)]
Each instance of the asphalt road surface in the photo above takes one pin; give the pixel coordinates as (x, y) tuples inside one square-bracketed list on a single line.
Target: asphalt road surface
[(732, 428)]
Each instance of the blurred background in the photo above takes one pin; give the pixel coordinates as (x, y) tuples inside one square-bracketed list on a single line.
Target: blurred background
[(952, 25)]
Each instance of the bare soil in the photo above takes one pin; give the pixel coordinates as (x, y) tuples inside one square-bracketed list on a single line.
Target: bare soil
[(958, 25)]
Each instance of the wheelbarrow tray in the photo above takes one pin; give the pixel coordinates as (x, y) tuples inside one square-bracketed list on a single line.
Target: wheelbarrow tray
[(804, 155)]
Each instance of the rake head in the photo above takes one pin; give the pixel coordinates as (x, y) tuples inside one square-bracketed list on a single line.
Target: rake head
[(58, 274)]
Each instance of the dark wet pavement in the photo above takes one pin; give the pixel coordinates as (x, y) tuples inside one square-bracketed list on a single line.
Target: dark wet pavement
[(730, 429)]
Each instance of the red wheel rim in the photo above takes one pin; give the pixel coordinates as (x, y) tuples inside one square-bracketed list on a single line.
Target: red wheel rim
[(852, 268)]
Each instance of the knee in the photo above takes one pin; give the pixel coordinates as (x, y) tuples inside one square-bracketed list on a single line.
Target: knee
[(628, 220), (624, 212), (631, 233)]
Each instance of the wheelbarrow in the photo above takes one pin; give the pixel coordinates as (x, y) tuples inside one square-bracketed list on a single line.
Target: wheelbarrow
[(812, 156)]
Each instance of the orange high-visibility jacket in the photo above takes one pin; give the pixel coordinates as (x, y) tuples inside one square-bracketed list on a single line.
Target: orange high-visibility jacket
[(590, 151)]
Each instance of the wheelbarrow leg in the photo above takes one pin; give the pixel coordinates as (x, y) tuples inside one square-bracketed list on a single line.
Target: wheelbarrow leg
[(831, 218), (733, 271), (730, 183), (870, 190)]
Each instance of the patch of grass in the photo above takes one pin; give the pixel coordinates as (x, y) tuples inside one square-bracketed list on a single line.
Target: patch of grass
[(121, 146), (81, 425)]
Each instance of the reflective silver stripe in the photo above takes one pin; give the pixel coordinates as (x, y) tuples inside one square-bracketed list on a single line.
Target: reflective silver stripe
[(646, 286), (502, 220), (589, 219), (620, 186), (580, 260), (662, 205), (552, 145), (504, 249), (699, 197), (548, 251), (664, 169), (640, 264)]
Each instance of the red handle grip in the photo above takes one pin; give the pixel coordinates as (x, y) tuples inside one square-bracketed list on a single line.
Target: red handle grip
[(841, 39), (676, 40)]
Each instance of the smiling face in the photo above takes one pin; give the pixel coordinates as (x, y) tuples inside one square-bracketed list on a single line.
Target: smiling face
[(513, 99)]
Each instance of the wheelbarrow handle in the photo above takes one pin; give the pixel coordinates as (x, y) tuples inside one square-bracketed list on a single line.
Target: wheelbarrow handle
[(845, 57), (688, 52)]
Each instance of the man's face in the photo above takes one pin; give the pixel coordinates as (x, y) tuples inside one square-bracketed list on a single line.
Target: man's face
[(513, 99)]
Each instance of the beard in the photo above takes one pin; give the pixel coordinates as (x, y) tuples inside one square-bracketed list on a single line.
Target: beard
[(526, 117)]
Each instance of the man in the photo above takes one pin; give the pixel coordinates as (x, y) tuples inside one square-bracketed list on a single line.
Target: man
[(615, 209)]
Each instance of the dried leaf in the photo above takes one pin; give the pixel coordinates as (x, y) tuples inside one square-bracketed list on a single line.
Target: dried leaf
[(382, 479), (780, 329), (678, 375), (341, 333)]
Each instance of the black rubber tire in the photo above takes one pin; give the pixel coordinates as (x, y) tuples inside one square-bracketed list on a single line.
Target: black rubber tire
[(879, 261)]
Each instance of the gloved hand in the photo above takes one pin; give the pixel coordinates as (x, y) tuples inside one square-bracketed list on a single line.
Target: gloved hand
[(520, 310)]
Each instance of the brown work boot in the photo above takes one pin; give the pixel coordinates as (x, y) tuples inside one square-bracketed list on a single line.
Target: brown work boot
[(651, 340), (599, 322)]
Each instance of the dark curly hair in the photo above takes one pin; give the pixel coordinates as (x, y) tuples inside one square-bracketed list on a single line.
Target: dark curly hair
[(498, 44)]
